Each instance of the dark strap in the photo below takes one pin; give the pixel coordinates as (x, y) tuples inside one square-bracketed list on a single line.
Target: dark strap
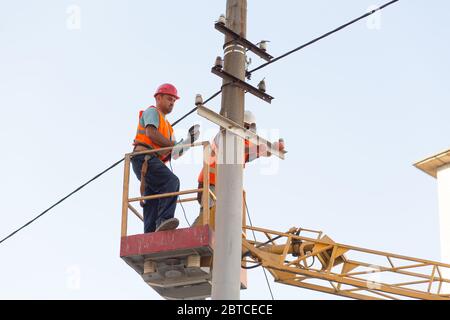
[(142, 144), (149, 147), (143, 175)]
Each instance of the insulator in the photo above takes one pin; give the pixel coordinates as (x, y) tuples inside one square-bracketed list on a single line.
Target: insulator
[(222, 19), (263, 45), (218, 63), (198, 100), (262, 86)]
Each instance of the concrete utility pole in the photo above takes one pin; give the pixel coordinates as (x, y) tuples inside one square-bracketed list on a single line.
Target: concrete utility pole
[(228, 233)]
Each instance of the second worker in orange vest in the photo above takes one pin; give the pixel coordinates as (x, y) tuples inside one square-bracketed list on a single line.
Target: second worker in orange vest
[(252, 152), (155, 132)]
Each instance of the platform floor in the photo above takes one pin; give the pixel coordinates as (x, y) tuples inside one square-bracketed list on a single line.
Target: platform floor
[(172, 276)]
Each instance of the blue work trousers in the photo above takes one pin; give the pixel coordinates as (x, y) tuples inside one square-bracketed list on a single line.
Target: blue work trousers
[(159, 179)]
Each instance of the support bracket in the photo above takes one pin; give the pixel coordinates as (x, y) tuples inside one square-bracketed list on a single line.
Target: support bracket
[(242, 41), (242, 84), (236, 129)]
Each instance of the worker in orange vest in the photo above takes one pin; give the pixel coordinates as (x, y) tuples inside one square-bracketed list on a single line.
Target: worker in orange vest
[(155, 132), (252, 152)]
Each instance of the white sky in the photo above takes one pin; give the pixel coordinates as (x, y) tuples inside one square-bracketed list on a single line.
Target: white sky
[(356, 111)]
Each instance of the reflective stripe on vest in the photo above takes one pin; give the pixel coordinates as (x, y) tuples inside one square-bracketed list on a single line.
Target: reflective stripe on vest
[(164, 128)]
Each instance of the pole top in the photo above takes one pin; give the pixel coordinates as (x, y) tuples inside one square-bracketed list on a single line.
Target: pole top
[(431, 164)]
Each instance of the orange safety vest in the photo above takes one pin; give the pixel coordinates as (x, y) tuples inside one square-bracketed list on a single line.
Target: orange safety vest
[(212, 161), (164, 128)]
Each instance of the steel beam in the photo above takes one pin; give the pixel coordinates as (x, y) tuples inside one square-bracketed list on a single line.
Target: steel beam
[(242, 41), (242, 84), (236, 129)]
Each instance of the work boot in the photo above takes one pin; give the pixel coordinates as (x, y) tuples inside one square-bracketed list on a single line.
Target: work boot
[(168, 224)]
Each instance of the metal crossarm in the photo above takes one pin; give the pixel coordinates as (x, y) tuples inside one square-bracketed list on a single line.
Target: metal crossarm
[(242, 41), (236, 129), (242, 84)]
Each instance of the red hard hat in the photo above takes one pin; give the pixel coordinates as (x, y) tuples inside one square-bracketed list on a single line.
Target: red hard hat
[(167, 88)]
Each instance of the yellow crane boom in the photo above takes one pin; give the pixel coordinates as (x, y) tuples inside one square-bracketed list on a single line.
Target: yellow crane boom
[(318, 263)]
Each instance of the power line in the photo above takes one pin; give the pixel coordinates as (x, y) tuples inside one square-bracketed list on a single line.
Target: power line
[(195, 109), (94, 178), (205, 102), (181, 204), (249, 73), (70, 194), (254, 236)]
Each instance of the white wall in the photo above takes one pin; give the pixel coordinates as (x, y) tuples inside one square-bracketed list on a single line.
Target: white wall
[(443, 177)]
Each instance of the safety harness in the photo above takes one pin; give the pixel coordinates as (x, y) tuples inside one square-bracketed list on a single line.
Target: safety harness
[(144, 169)]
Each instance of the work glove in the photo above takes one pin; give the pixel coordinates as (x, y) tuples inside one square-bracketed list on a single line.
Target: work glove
[(279, 145), (183, 145), (193, 134)]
